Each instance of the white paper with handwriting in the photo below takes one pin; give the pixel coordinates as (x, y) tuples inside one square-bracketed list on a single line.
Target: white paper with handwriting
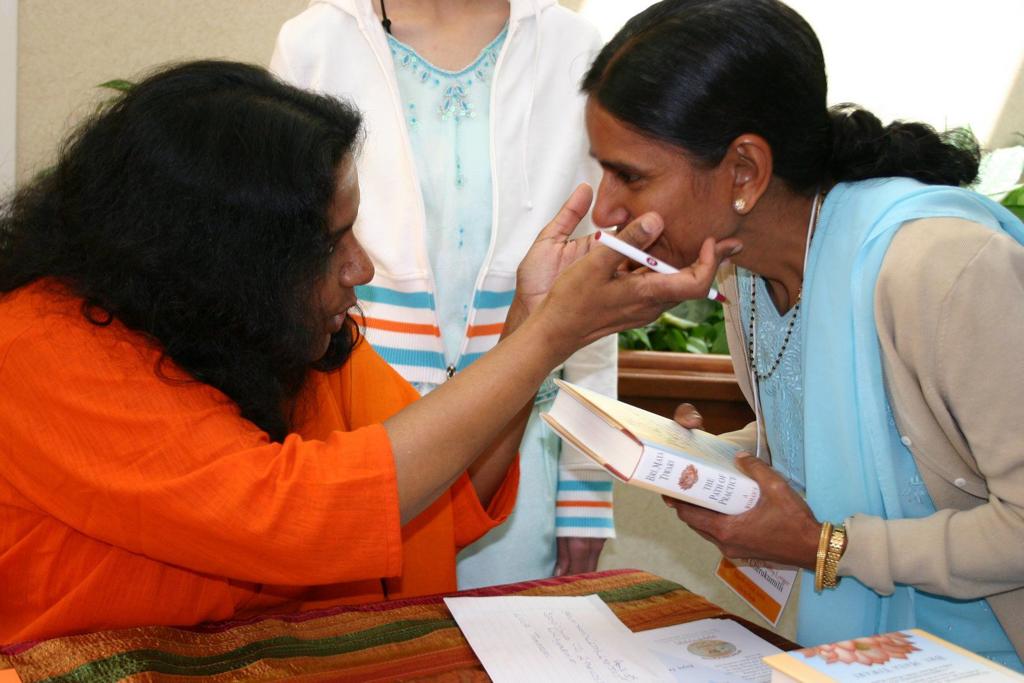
[(555, 639)]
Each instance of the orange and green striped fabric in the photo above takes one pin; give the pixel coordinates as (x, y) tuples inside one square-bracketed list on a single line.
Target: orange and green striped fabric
[(414, 639)]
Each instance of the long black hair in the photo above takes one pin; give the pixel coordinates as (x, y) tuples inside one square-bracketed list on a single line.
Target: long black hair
[(700, 73), (194, 211)]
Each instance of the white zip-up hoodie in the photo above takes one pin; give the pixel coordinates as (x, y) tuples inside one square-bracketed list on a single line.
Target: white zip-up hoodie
[(538, 155)]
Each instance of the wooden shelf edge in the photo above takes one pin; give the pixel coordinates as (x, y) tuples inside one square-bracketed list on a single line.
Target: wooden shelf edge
[(658, 381), (676, 362)]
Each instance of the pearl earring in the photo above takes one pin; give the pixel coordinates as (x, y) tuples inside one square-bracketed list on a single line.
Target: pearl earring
[(740, 205)]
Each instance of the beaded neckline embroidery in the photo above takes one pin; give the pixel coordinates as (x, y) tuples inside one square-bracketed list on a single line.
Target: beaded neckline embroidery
[(454, 85)]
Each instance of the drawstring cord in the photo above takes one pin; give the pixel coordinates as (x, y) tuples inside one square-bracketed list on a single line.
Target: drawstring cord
[(529, 106)]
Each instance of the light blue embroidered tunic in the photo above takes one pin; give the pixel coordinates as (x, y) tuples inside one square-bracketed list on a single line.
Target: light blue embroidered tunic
[(781, 394), (447, 115)]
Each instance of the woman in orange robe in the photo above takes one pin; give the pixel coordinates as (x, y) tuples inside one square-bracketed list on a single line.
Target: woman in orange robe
[(191, 430)]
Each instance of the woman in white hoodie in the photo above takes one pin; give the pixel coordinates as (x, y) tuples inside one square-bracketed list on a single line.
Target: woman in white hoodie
[(474, 136)]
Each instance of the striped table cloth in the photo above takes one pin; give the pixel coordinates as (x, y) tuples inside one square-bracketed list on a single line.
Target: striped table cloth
[(402, 640)]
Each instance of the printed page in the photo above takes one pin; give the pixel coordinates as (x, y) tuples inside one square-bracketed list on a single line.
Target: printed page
[(765, 586), (556, 639), (710, 651)]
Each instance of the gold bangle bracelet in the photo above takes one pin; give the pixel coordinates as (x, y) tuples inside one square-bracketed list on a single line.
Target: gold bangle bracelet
[(819, 563), (836, 547)]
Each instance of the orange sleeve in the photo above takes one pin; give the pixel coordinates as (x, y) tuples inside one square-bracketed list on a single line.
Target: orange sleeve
[(170, 471), (382, 392), (390, 389), (472, 520)]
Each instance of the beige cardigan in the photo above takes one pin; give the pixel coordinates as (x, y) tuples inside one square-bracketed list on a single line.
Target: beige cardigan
[(949, 306)]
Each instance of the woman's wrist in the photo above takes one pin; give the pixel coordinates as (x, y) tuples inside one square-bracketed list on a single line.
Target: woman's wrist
[(517, 314), (558, 339), (552, 334), (831, 546)]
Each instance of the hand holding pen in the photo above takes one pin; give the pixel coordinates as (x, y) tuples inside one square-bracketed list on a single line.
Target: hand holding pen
[(642, 257)]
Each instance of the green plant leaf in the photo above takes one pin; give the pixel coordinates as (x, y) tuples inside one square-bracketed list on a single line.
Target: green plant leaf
[(697, 310), (703, 331), (675, 321), (1014, 201), (720, 345), (644, 339), (675, 340), (635, 340), (696, 326), (696, 345), (117, 84), (657, 337)]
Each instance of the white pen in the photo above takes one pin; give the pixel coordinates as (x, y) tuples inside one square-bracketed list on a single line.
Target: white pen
[(642, 257)]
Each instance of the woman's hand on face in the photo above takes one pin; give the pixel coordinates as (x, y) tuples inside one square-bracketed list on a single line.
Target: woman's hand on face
[(597, 296), (554, 250), (779, 528)]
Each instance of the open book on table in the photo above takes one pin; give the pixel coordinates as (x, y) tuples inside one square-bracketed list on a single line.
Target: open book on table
[(651, 451)]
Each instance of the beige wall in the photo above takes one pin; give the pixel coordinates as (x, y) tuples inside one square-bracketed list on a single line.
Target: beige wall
[(8, 78), (67, 47)]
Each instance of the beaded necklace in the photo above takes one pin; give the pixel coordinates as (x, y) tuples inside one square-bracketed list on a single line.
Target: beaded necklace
[(752, 336)]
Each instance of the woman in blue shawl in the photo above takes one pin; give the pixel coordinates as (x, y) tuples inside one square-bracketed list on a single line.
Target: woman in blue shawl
[(875, 317)]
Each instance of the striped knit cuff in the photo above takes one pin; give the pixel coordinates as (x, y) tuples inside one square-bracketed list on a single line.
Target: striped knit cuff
[(584, 504)]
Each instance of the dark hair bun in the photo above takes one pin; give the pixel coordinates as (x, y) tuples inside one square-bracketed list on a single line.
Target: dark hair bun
[(863, 148)]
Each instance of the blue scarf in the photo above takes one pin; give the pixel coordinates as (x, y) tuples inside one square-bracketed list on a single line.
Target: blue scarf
[(852, 448)]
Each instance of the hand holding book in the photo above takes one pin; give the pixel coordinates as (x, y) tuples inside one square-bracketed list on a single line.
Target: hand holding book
[(764, 518), (649, 451), (756, 534), (779, 528)]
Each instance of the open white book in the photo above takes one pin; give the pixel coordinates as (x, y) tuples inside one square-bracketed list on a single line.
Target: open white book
[(651, 451)]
